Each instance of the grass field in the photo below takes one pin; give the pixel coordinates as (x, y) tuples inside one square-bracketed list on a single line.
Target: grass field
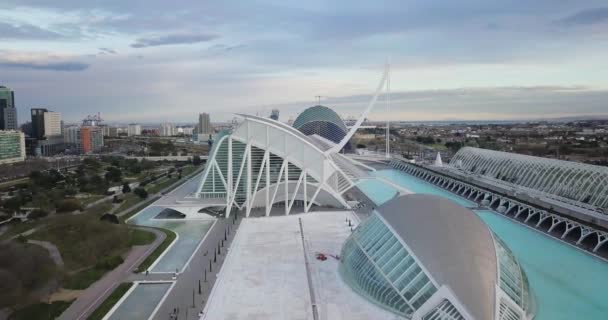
[(107, 304), (40, 311)]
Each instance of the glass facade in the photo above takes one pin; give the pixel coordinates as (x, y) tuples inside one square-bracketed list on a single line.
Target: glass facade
[(444, 311), (322, 121), (12, 146), (375, 264)]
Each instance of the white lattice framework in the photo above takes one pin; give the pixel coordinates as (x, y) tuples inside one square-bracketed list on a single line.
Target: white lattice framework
[(264, 162), (579, 182)]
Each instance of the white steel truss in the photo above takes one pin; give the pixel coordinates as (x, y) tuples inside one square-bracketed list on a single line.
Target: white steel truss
[(264, 163)]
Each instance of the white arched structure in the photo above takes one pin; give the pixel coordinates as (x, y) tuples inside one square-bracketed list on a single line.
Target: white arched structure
[(263, 162), (569, 181)]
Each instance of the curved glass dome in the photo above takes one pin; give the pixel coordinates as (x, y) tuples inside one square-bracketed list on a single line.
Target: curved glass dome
[(422, 256), (322, 121)]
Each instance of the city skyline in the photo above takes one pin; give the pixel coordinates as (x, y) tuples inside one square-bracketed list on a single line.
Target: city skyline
[(472, 60)]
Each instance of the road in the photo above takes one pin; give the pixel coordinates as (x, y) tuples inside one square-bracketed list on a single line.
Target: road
[(94, 295)]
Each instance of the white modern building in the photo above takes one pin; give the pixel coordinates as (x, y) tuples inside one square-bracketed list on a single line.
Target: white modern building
[(52, 124), (425, 257), (167, 129), (265, 163), (134, 129)]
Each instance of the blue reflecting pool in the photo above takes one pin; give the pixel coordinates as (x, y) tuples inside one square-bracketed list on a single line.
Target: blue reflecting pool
[(418, 186), (141, 302), (377, 191), (568, 283), (189, 235)]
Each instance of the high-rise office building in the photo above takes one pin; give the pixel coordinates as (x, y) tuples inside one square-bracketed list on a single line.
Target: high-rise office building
[(91, 139), (38, 122), (204, 124), (47, 130), (52, 124), (134, 129), (12, 146), (8, 112)]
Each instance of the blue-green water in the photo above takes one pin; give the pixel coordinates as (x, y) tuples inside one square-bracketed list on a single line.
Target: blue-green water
[(378, 191), (141, 302), (418, 186), (568, 283), (189, 235)]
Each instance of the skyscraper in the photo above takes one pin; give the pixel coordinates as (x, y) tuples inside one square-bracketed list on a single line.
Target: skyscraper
[(204, 124), (38, 123), (52, 124), (8, 112)]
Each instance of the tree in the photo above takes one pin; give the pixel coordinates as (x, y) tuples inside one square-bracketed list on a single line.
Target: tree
[(113, 174), (196, 160), (68, 205), (141, 192), (126, 188)]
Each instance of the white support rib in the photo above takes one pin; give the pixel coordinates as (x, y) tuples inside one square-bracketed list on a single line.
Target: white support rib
[(229, 189), (295, 193), (248, 199), (286, 187), (238, 179), (278, 184), (305, 191)]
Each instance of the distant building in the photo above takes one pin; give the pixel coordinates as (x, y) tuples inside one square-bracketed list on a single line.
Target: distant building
[(113, 132), (8, 112), (38, 123), (52, 124), (187, 131), (167, 129), (204, 124), (274, 114), (134, 129), (46, 129), (71, 138), (91, 139), (105, 130), (12, 146)]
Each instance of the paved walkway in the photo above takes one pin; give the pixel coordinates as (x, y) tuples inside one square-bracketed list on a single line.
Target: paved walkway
[(52, 249), (186, 289), (94, 295)]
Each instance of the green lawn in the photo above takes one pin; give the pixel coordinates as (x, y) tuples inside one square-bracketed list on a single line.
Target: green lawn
[(11, 183), (107, 304), (40, 311), (161, 184), (159, 250)]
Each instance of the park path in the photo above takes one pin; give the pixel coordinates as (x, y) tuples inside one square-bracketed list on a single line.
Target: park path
[(94, 295), (97, 293), (52, 249)]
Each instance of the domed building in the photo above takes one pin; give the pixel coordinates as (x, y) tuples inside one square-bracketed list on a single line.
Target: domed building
[(322, 121), (425, 257)]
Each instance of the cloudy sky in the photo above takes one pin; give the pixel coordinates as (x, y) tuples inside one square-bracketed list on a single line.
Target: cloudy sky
[(154, 60)]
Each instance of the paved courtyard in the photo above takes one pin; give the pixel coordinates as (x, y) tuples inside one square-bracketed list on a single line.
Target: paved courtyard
[(265, 275)]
